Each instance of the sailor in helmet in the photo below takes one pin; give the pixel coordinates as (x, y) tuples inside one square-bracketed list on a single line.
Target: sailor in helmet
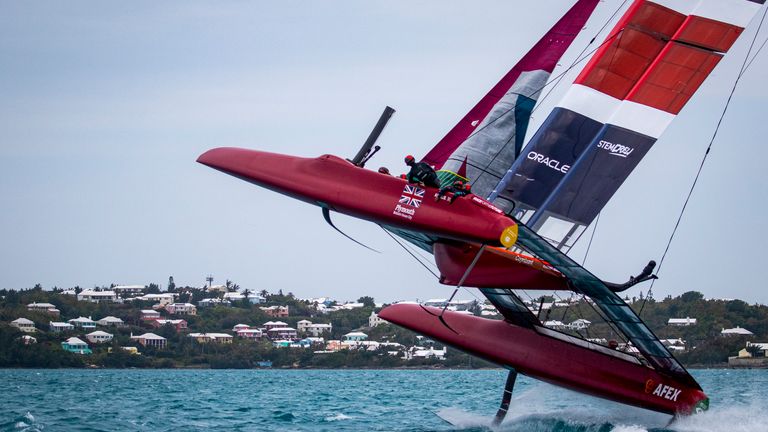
[(457, 189), (421, 173)]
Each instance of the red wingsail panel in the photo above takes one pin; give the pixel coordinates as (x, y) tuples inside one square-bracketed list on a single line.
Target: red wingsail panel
[(542, 57), (674, 77), (658, 56), (636, 40)]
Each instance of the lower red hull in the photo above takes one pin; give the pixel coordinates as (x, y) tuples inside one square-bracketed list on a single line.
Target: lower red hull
[(601, 373)]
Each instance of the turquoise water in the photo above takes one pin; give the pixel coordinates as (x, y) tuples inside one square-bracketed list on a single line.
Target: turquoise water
[(348, 400)]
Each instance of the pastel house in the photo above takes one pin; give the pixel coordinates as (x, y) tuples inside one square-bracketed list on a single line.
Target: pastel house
[(48, 308), (355, 337), (151, 340), (76, 346), (58, 327), (83, 323), (110, 321), (99, 336), (25, 325)]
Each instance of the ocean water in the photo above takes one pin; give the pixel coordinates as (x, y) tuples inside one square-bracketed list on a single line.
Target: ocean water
[(346, 400)]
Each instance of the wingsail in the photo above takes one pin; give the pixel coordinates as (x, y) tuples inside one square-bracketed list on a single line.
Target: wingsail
[(652, 62), (491, 135)]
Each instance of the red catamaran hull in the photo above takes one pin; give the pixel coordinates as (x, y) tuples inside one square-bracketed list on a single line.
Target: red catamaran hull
[(550, 359), (336, 183)]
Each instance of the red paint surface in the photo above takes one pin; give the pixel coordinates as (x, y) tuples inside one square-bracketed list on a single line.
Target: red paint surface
[(632, 45), (674, 77), (361, 193), (708, 33), (547, 358), (496, 268)]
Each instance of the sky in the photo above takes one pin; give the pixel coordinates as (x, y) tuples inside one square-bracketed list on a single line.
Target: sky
[(106, 105)]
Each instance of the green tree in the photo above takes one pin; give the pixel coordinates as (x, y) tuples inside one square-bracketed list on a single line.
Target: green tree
[(367, 301)]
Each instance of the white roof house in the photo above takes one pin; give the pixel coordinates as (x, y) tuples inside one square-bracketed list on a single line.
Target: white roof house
[(554, 324), (151, 339), (41, 306), (211, 337), (133, 289), (181, 309), (233, 296), (76, 341), (737, 331), (24, 325), (60, 326), (110, 320), (580, 324), (83, 322), (681, 321), (420, 352), (355, 336), (97, 296), (163, 298), (250, 333), (274, 324), (99, 336)]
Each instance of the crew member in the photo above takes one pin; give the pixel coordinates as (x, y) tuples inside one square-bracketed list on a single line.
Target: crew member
[(421, 173), (457, 189)]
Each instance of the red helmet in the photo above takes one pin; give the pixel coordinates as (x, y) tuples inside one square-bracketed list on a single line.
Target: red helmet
[(409, 160)]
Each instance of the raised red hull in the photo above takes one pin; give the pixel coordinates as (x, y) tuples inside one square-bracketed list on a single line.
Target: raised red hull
[(336, 183), (496, 268), (601, 373)]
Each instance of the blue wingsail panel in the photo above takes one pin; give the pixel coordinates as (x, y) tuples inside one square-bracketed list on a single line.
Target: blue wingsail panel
[(595, 177), (545, 161)]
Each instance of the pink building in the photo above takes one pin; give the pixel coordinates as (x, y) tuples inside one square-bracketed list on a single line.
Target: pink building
[(181, 309), (275, 311), (178, 324)]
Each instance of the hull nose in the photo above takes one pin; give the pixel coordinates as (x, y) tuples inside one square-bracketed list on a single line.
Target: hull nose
[(271, 170)]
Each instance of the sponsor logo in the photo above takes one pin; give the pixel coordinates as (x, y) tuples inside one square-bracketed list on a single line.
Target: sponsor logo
[(409, 201), (649, 385), (475, 122), (412, 196), (486, 204), (524, 260), (552, 163), (404, 212), (666, 392), (615, 149)]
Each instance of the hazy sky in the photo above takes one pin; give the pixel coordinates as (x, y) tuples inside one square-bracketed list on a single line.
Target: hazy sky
[(106, 105)]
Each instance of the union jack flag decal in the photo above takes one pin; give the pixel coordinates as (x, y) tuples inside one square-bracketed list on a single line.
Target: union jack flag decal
[(412, 196)]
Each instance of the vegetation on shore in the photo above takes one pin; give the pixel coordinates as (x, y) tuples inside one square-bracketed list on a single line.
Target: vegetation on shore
[(706, 347)]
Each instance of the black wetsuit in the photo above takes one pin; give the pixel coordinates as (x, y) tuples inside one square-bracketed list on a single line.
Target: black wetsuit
[(421, 172)]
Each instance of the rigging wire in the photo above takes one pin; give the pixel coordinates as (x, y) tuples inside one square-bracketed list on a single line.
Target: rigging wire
[(592, 237), (747, 62), (410, 253)]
